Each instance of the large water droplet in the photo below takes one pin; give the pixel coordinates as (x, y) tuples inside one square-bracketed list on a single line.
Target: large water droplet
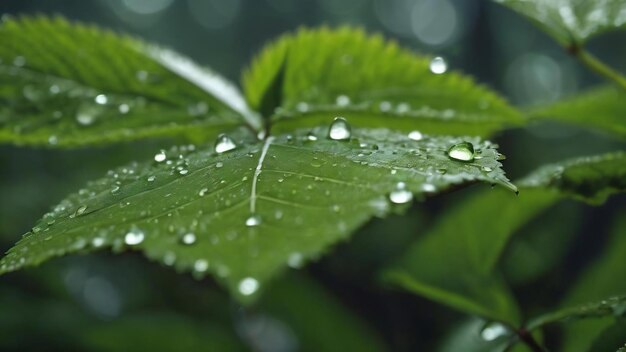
[(415, 135), (160, 156), (438, 65), (224, 144), (492, 331), (248, 286), (400, 195), (339, 130), (134, 237), (463, 151), (189, 238), (253, 220)]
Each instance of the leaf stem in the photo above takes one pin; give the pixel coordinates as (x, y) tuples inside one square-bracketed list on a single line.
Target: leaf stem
[(529, 340), (597, 66)]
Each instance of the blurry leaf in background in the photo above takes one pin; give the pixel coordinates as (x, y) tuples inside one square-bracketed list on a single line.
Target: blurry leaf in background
[(602, 279), (600, 108), (246, 213), (454, 263), (374, 83), (572, 20), (64, 84), (319, 321)]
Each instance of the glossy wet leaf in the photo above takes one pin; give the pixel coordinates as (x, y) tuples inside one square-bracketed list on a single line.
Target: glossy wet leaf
[(454, 263), (601, 108), (246, 213), (610, 307), (64, 84), (372, 82), (572, 20)]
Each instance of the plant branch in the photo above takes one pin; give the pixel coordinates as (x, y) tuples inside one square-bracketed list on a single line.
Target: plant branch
[(597, 66), (529, 340)]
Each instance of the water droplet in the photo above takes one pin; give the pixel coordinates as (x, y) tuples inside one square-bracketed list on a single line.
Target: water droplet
[(123, 108), (203, 192), (101, 99), (19, 61), (400, 195), (463, 151), (134, 237), (201, 265), (311, 136), (428, 187), (415, 135), (253, 220), (115, 189), (384, 106), (302, 107), (151, 178), (343, 100), (81, 210), (438, 65), (492, 331), (53, 140), (189, 238), (224, 144), (487, 169), (160, 156), (295, 260), (85, 118), (97, 242), (248, 286), (339, 130), (183, 171)]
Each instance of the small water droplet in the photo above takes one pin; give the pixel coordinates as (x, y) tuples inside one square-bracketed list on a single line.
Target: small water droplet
[(384, 106), (343, 100), (97, 242), (123, 108), (203, 192), (183, 171), (400, 195), (295, 260), (438, 65), (151, 178), (101, 99), (201, 265), (487, 169), (169, 258), (85, 117), (115, 189), (302, 107), (189, 238), (160, 156), (339, 130), (134, 237), (198, 109), (415, 135), (81, 210), (311, 136), (53, 140), (463, 151), (428, 187), (492, 331), (248, 286), (224, 144), (253, 220)]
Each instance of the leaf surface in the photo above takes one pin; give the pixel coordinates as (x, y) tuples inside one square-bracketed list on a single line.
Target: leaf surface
[(64, 84), (246, 213), (601, 108), (572, 20), (372, 82), (454, 263)]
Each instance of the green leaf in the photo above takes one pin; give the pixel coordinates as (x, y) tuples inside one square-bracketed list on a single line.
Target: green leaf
[(374, 83), (611, 307), (572, 21), (602, 108), (600, 280), (318, 319), (64, 84), (251, 211), (454, 262)]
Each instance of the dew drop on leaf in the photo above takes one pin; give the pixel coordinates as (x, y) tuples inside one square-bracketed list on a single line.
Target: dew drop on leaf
[(188, 238), (248, 286), (134, 237), (492, 331), (311, 136), (101, 99), (253, 220), (400, 195), (123, 108), (203, 192), (415, 135), (160, 156), (224, 144), (339, 130), (463, 151), (438, 65), (201, 265), (343, 100), (295, 260), (429, 187)]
